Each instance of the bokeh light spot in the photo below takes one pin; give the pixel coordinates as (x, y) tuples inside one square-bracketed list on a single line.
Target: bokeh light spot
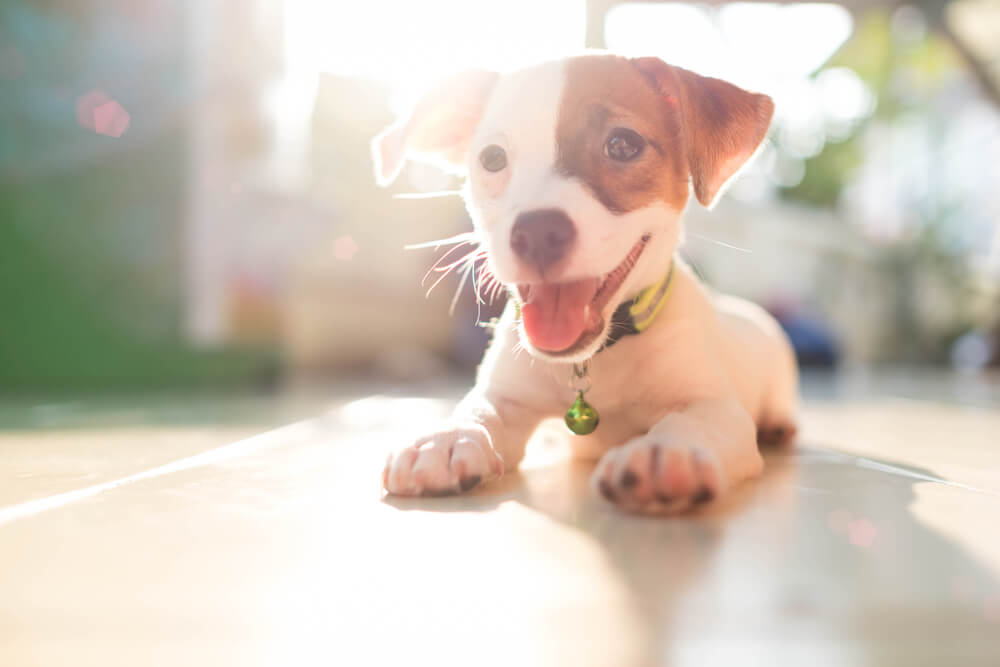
[(344, 248), (111, 120), (97, 112), (862, 533)]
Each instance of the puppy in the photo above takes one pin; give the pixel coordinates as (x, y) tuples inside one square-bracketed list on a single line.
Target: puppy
[(576, 175)]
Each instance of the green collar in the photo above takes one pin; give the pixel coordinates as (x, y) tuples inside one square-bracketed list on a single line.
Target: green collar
[(630, 318), (635, 316)]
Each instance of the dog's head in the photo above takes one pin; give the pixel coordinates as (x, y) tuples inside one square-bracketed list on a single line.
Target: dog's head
[(577, 171)]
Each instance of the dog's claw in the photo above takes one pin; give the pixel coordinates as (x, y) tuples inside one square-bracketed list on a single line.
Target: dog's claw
[(439, 493), (703, 496), (776, 435), (470, 482)]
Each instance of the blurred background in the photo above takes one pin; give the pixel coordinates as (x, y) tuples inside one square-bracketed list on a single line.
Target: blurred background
[(187, 200)]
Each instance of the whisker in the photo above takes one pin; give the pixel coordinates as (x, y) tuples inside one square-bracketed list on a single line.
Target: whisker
[(485, 278), (499, 289), (427, 195), (466, 264), (445, 272), (718, 242), (469, 260), (437, 265), (470, 257), (475, 289), (489, 283), (464, 237), (477, 279), (458, 290), (694, 266), (496, 288)]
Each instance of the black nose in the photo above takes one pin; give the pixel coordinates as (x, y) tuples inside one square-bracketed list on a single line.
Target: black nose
[(542, 237)]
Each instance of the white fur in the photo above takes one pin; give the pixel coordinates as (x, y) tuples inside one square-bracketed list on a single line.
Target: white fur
[(680, 404), (527, 132)]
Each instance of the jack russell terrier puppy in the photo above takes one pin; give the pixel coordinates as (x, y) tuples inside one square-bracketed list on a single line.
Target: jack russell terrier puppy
[(576, 175)]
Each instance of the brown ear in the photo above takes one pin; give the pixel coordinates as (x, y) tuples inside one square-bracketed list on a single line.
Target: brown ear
[(722, 124), (439, 128)]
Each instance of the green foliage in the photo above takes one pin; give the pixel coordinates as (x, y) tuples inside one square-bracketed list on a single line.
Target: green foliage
[(91, 265), (90, 280), (926, 270), (905, 74), (827, 173)]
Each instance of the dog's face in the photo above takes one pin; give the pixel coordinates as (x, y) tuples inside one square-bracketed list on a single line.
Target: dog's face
[(577, 171)]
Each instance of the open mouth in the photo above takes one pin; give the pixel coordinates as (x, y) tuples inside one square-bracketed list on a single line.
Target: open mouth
[(561, 318)]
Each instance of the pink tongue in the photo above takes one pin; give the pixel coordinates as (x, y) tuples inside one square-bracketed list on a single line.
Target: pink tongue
[(556, 314)]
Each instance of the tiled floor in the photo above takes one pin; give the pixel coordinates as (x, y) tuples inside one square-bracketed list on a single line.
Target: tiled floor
[(875, 542)]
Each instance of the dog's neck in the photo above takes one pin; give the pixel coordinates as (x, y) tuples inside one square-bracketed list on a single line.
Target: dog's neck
[(635, 315)]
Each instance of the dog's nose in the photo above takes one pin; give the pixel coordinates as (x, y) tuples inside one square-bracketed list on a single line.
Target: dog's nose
[(542, 237)]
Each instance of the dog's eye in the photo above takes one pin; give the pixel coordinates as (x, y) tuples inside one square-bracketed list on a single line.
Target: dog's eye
[(624, 145), (493, 158)]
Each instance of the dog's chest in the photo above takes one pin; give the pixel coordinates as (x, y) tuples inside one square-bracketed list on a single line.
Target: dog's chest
[(625, 395)]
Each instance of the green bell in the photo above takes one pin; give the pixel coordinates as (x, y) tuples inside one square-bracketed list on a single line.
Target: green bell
[(582, 418)]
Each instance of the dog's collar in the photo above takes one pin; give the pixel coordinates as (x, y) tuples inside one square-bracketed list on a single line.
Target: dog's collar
[(630, 318), (635, 316)]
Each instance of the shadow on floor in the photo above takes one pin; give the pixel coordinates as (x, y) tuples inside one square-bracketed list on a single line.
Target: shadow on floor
[(820, 556)]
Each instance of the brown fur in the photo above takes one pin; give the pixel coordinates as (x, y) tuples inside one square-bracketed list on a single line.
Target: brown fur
[(722, 124), (605, 92), (696, 127)]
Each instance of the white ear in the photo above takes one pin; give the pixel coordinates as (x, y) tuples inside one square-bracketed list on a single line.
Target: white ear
[(439, 128), (389, 153)]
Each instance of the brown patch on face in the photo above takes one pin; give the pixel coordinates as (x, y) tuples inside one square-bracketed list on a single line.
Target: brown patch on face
[(604, 93), (694, 126), (722, 124)]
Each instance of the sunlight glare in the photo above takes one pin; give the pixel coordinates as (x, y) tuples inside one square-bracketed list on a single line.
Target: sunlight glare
[(767, 47), (409, 44), (750, 44)]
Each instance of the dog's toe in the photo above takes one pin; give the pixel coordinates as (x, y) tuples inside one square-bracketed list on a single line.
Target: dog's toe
[(438, 493), (443, 464), (607, 490), (470, 482), (649, 476), (779, 434), (703, 496)]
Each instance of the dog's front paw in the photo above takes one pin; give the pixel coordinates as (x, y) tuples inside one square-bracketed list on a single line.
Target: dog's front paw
[(450, 461), (651, 475)]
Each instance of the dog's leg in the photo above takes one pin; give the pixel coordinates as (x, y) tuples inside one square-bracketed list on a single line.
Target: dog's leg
[(486, 434), (688, 458)]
